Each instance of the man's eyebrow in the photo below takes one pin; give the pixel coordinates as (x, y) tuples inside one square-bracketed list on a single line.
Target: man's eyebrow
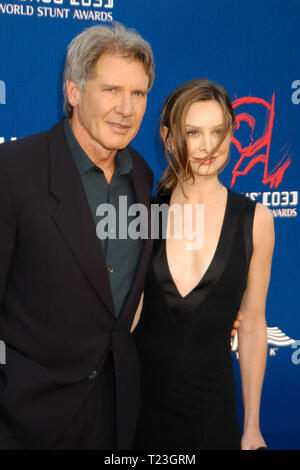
[(111, 85), (142, 89)]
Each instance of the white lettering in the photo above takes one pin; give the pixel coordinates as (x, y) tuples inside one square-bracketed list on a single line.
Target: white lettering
[(140, 222), (198, 234), (176, 220), (2, 353), (294, 201), (296, 95), (2, 139), (50, 12), (2, 92), (115, 460), (266, 199), (272, 351), (276, 198), (296, 354), (17, 10), (92, 15), (109, 221), (285, 212)]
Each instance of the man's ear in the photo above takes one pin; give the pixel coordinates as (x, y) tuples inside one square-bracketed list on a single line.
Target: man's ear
[(73, 93)]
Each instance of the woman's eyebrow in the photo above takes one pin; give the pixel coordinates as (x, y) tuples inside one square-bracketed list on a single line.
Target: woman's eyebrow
[(199, 127)]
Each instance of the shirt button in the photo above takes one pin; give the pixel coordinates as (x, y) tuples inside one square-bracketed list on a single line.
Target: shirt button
[(93, 375), (110, 270), (114, 333)]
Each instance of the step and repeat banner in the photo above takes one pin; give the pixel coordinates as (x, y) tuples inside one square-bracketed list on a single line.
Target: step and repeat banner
[(249, 47)]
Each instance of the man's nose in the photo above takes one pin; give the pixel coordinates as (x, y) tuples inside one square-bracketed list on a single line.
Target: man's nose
[(125, 105)]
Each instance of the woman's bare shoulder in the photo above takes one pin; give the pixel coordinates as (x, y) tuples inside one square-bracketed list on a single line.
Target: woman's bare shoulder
[(263, 225)]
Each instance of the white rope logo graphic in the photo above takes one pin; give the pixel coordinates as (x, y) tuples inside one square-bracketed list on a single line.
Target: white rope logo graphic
[(276, 337)]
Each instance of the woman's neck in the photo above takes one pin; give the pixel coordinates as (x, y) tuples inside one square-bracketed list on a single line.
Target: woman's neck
[(202, 191)]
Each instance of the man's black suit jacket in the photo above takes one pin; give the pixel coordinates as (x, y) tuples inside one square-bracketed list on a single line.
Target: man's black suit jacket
[(57, 317)]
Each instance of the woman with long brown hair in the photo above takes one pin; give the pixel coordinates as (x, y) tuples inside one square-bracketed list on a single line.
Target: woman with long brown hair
[(194, 291)]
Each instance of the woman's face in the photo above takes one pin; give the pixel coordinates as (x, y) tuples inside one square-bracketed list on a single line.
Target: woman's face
[(204, 126)]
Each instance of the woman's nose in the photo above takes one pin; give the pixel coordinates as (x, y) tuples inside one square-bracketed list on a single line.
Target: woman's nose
[(206, 143)]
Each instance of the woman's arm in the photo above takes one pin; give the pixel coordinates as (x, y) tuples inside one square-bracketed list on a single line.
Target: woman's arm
[(137, 313), (252, 333)]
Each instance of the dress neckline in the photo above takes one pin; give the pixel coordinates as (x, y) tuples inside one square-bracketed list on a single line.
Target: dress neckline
[(206, 273), (214, 272)]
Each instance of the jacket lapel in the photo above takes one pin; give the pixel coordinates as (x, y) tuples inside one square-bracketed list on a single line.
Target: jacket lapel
[(142, 191), (73, 217)]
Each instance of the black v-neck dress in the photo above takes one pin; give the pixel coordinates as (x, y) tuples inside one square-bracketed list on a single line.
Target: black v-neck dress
[(188, 388)]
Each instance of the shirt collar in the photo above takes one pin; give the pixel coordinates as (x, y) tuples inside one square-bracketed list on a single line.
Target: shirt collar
[(123, 162), (84, 163)]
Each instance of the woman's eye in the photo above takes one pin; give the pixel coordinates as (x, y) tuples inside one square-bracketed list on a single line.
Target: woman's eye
[(191, 133)]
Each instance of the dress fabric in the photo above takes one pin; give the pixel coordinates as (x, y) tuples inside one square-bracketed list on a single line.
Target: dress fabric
[(187, 379)]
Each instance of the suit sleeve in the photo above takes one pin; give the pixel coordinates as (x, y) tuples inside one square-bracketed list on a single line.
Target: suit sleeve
[(7, 232)]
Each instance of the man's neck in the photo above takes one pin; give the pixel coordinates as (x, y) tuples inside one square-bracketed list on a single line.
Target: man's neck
[(102, 158)]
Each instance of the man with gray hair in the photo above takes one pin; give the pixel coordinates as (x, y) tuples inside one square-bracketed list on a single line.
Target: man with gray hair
[(68, 299)]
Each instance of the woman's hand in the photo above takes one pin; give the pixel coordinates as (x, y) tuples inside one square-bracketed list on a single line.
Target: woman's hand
[(236, 326)]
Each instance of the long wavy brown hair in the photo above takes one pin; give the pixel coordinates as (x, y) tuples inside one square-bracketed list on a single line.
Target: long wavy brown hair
[(173, 129)]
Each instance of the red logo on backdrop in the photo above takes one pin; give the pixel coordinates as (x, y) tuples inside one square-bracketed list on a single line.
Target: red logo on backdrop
[(258, 151)]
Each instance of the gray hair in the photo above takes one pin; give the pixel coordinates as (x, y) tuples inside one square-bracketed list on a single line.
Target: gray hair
[(86, 48)]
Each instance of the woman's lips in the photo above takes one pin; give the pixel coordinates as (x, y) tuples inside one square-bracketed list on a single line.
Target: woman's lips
[(203, 161)]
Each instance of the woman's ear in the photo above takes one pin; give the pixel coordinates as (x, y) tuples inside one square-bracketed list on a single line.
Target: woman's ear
[(166, 138), (164, 133)]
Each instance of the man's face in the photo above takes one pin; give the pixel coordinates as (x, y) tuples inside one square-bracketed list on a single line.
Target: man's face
[(108, 113)]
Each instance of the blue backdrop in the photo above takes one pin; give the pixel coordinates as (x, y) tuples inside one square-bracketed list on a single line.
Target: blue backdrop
[(252, 49)]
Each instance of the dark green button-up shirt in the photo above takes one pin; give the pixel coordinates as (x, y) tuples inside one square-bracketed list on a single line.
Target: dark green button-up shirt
[(121, 253)]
